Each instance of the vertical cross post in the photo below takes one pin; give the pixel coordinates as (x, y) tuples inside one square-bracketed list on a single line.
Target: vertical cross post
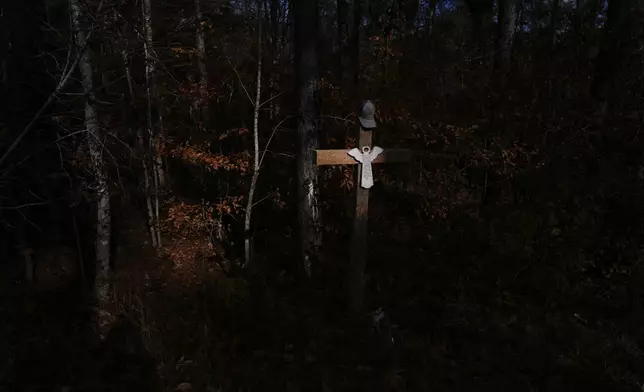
[(356, 281), (363, 157)]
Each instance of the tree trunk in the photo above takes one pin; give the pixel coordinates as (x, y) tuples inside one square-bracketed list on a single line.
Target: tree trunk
[(4, 46), (306, 63), (141, 146), (611, 52), (343, 40), (554, 17), (480, 11), (202, 104), (583, 23), (410, 9), (248, 254), (358, 14), (155, 119), (552, 45), (430, 18), (275, 26), (153, 115), (505, 35), (587, 11), (94, 140)]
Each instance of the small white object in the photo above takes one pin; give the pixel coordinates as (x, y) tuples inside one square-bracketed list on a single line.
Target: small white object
[(365, 157)]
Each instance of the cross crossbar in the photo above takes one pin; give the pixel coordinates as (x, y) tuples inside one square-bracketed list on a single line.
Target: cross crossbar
[(340, 157)]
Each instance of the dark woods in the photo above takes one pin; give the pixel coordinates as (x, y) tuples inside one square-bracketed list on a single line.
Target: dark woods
[(164, 226)]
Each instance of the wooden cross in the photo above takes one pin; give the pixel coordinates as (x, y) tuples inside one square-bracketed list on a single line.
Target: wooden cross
[(364, 156)]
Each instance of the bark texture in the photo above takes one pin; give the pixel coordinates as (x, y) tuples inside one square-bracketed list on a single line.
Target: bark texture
[(343, 40), (94, 141), (306, 60), (248, 254), (202, 102), (155, 120), (611, 54), (505, 36)]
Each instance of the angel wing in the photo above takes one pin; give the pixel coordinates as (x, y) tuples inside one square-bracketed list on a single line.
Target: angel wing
[(356, 154), (375, 152)]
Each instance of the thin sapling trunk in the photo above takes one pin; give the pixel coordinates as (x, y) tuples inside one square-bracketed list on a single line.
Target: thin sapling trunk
[(256, 162)]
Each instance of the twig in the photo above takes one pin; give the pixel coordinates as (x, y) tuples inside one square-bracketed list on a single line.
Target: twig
[(240, 80), (345, 119), (40, 203), (275, 128), (55, 142), (270, 99), (42, 109), (263, 198)]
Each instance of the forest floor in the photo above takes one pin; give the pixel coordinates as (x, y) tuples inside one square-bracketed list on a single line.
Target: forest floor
[(192, 328)]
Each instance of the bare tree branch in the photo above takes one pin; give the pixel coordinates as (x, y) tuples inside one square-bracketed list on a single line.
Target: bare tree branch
[(240, 81), (67, 72), (40, 203)]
